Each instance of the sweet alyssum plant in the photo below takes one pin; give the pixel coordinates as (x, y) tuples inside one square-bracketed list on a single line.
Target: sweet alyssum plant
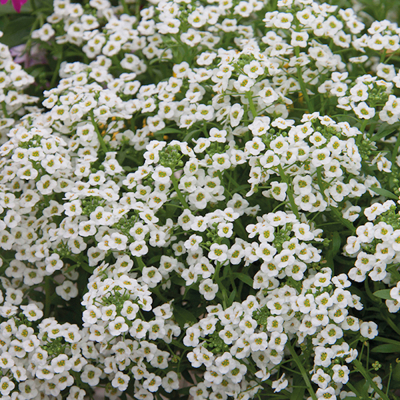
[(204, 206)]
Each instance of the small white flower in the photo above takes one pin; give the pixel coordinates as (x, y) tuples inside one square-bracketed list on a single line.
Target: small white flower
[(369, 330), (118, 326), (208, 289)]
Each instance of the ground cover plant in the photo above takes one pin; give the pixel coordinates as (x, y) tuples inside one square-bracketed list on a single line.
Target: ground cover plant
[(200, 200)]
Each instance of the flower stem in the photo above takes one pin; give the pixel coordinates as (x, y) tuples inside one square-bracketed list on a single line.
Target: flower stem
[(47, 291), (101, 140), (366, 375), (4, 108), (57, 69), (251, 103), (304, 90), (303, 372), (125, 7), (289, 192), (178, 192)]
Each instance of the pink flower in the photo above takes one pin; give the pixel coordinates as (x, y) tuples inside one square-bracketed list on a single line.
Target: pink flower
[(29, 57), (17, 4)]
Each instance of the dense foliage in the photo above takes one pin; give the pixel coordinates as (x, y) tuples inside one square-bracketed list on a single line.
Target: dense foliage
[(199, 199)]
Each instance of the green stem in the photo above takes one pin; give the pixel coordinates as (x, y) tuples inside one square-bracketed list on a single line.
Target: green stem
[(333, 209), (140, 263), (395, 149), (251, 103), (4, 108), (125, 7), (370, 294), (385, 340), (391, 323), (343, 220), (366, 375), (178, 192), (304, 90), (47, 291), (353, 389), (216, 272), (289, 192), (57, 69), (364, 125), (304, 374), (389, 379), (34, 8), (101, 140), (157, 292)]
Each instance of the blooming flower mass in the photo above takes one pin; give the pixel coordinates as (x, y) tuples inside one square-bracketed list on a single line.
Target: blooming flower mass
[(200, 200)]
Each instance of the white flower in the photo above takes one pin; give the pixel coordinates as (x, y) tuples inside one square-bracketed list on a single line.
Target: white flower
[(243, 84), (120, 381), (340, 374), (218, 252), (117, 241), (138, 248), (323, 356), (67, 290), (369, 329), (151, 276), (280, 384), (129, 310), (208, 289), (362, 110), (236, 114), (152, 382), (321, 378), (91, 375), (118, 326)]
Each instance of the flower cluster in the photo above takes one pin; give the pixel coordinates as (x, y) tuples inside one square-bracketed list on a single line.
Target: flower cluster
[(13, 80), (173, 210)]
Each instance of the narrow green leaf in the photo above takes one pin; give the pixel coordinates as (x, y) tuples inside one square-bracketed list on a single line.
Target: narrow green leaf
[(178, 280), (396, 376), (386, 348), (336, 243), (153, 260), (168, 130), (87, 268), (384, 192), (232, 297), (177, 343), (244, 278), (17, 30), (384, 131), (71, 268), (182, 316), (383, 294)]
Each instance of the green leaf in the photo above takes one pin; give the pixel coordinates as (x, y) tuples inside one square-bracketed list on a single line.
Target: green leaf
[(396, 376), (17, 30), (71, 268), (178, 280), (383, 294), (177, 343), (384, 130), (182, 316), (87, 268), (231, 298), (386, 348), (168, 130), (335, 247), (384, 192), (153, 260), (244, 278), (186, 375), (336, 243)]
